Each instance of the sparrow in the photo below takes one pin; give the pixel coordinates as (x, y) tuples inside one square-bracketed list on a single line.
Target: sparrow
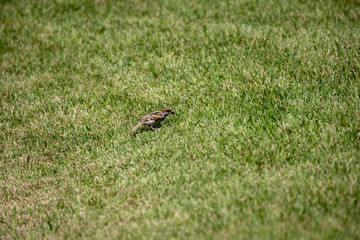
[(153, 118)]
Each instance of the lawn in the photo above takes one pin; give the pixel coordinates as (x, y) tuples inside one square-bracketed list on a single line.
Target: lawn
[(265, 142)]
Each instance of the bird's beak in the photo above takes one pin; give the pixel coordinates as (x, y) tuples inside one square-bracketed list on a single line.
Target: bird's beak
[(172, 112)]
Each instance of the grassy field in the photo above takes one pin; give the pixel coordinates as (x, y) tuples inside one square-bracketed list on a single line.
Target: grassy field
[(265, 143)]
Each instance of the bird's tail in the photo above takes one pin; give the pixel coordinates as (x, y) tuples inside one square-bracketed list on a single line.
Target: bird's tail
[(136, 127)]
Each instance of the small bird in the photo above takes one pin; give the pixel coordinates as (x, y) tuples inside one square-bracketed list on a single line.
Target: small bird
[(153, 118)]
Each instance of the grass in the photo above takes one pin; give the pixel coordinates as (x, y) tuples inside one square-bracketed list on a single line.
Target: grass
[(264, 143)]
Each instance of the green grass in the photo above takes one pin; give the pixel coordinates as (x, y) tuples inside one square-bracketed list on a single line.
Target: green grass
[(265, 143)]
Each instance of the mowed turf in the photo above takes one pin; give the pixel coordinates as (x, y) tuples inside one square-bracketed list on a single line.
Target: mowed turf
[(265, 143)]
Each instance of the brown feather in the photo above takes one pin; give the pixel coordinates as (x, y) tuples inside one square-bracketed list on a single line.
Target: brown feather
[(152, 116)]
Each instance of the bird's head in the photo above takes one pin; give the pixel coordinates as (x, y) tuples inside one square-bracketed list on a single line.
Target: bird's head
[(167, 111)]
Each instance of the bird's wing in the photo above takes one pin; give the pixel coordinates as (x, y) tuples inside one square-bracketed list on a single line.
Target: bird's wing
[(154, 116)]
